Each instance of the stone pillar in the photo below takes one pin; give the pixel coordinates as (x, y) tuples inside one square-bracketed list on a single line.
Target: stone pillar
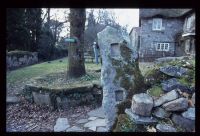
[(120, 75)]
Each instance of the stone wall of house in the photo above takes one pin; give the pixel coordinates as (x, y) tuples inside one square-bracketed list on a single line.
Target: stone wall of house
[(16, 59), (171, 27), (189, 24), (134, 38), (189, 34)]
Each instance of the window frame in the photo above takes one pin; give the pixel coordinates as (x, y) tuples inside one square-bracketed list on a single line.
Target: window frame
[(157, 22), (162, 46)]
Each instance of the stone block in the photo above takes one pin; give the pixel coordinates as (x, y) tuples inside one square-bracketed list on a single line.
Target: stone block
[(165, 128), (142, 104), (140, 119), (187, 124), (172, 84), (174, 71), (193, 98), (172, 95), (161, 113), (180, 104), (189, 114), (42, 98), (61, 125)]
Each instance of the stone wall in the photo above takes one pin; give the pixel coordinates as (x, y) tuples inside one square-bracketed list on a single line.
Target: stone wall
[(189, 24), (16, 59), (172, 26), (63, 98), (189, 34)]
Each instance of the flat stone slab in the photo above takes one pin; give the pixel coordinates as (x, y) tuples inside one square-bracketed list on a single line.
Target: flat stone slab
[(180, 104), (161, 113), (172, 95), (165, 128), (97, 123), (167, 59), (42, 98), (92, 118), (140, 119), (101, 129), (189, 114), (97, 113), (12, 100), (74, 129), (193, 98), (142, 104), (61, 125), (172, 84), (93, 128), (187, 124), (174, 71), (75, 115), (81, 121)]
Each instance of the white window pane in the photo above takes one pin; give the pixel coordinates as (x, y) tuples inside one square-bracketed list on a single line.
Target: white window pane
[(162, 46)]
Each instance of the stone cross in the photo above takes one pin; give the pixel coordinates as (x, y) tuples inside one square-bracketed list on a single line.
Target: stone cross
[(119, 70)]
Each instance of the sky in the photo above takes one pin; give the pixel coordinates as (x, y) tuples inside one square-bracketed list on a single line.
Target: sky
[(129, 17)]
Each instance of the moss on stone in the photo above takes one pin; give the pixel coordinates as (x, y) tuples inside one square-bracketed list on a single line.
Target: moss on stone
[(125, 51), (124, 124), (18, 53), (132, 86), (155, 91), (184, 81), (154, 76)]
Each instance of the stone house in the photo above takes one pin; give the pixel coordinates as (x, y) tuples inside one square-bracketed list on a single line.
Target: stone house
[(163, 33)]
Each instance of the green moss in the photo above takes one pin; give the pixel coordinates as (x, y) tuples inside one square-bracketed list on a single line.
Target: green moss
[(184, 81), (133, 86), (154, 76), (19, 53), (155, 91), (124, 124)]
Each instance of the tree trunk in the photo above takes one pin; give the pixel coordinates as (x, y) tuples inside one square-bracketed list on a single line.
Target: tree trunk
[(76, 67), (48, 17)]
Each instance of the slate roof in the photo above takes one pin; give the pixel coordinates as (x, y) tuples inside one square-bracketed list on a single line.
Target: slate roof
[(137, 29), (164, 12)]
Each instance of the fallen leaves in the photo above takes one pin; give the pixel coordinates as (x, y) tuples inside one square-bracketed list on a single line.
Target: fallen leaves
[(31, 117)]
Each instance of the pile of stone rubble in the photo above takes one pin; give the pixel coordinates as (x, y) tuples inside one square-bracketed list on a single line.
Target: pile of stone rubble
[(177, 104)]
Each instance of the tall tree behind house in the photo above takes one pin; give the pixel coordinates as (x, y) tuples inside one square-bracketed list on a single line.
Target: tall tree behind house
[(76, 67)]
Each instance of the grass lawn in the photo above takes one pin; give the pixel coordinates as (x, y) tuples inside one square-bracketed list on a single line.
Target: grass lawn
[(26, 73), (41, 69)]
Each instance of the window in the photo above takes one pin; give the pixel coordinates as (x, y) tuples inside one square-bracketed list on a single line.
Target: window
[(188, 23), (157, 24), (158, 46), (162, 47), (166, 47)]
